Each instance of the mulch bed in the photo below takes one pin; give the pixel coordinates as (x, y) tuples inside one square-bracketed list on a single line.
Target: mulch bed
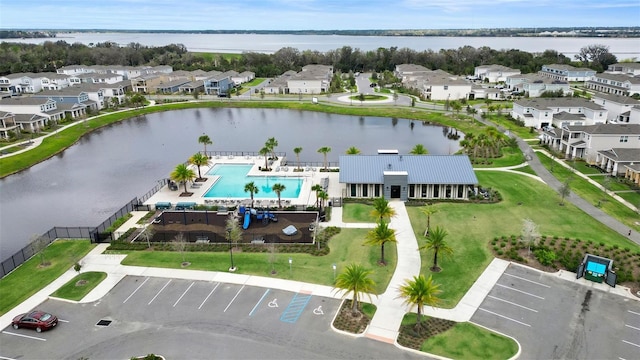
[(345, 320), (413, 339)]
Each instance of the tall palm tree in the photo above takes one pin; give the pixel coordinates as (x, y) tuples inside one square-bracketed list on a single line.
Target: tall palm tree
[(381, 209), (297, 151), (322, 197), (428, 210), (419, 149), (206, 140), (437, 244), (251, 188), (265, 152), (325, 150), (182, 174), (271, 145), (199, 159), (352, 151), (419, 292), (355, 279), (278, 189), (317, 188), (380, 235)]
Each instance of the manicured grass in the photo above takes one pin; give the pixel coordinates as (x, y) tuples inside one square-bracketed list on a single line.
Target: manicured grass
[(472, 226), (526, 169), (346, 247), (80, 286), (357, 213), (522, 132), (510, 156), (368, 97), (469, 341), (29, 278), (593, 195), (583, 167), (254, 82)]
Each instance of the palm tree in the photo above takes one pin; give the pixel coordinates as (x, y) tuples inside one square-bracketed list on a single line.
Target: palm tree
[(419, 292), (251, 188), (353, 151), (199, 159), (325, 150), (317, 188), (428, 211), (322, 197), (265, 152), (437, 244), (278, 189), (297, 151), (381, 235), (419, 149), (206, 140), (381, 209), (271, 145), (182, 174), (355, 278)]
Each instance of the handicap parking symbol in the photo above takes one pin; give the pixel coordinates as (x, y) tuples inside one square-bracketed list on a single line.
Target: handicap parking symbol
[(318, 310), (273, 303)]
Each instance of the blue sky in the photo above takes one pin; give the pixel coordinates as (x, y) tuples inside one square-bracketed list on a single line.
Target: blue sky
[(315, 14)]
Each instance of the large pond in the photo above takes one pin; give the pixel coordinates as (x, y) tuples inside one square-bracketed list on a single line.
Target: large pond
[(92, 179)]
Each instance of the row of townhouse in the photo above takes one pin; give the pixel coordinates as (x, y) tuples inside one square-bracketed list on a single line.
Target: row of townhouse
[(312, 79), (433, 84), (614, 148)]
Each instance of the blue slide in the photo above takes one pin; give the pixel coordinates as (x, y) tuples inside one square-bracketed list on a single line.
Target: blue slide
[(247, 220)]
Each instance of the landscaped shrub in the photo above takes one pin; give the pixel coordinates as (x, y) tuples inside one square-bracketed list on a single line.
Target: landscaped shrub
[(546, 257)]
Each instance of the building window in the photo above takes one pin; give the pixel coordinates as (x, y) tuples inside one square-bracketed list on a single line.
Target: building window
[(448, 192), (460, 191), (412, 191), (353, 190), (436, 191), (446, 87), (376, 190), (624, 139), (365, 190), (423, 193)]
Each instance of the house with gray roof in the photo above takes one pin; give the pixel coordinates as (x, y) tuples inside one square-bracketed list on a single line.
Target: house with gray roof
[(617, 84), (407, 177), (584, 142), (619, 107), (494, 73), (542, 112), (73, 95), (632, 69), (440, 85), (409, 72), (534, 85), (43, 107), (8, 125), (564, 72), (313, 79), (618, 161)]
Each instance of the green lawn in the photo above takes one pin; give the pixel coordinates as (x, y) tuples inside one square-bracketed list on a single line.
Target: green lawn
[(346, 247), (30, 278), (357, 213), (469, 341), (522, 132), (510, 156), (80, 286)]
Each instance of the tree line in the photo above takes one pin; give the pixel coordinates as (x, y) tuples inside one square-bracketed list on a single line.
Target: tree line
[(51, 55)]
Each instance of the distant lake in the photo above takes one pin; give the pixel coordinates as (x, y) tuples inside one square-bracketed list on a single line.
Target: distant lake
[(623, 48)]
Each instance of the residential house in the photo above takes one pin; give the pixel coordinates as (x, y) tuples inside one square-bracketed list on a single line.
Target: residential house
[(619, 161), (279, 84), (490, 93), (33, 112), (219, 84), (544, 112), (145, 83), (170, 87), (33, 123), (494, 73), (55, 81), (565, 72), (617, 84), (96, 78), (631, 69), (20, 83), (584, 142), (410, 72), (407, 177), (8, 125), (313, 79), (73, 96), (619, 107), (440, 85), (534, 85), (192, 87)]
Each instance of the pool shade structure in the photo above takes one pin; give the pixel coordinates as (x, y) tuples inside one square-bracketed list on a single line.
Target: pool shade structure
[(597, 269)]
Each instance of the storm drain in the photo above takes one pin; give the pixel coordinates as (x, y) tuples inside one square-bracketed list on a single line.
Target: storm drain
[(103, 322)]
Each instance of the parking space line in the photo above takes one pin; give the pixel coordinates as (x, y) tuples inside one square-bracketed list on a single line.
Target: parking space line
[(531, 281), (64, 321), (165, 285), (136, 290), (505, 317), (207, 298), (180, 298), (259, 301), (231, 302), (633, 312), (512, 303), (25, 336), (630, 343), (633, 327), (295, 308), (520, 291)]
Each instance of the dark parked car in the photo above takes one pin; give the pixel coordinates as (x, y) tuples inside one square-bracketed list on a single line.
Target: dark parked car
[(38, 320), (373, 85)]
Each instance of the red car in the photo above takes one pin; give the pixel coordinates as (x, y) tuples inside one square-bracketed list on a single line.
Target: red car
[(38, 320)]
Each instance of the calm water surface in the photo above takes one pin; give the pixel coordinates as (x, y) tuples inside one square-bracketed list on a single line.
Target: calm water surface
[(92, 179)]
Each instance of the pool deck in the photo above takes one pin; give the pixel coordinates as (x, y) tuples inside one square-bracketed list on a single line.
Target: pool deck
[(310, 175)]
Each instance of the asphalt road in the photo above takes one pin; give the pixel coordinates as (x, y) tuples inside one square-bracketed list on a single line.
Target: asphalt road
[(183, 319), (556, 319)]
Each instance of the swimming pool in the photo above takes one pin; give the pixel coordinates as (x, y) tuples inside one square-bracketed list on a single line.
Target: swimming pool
[(233, 178)]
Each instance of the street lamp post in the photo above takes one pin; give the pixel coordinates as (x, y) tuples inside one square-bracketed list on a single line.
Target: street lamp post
[(290, 262), (334, 271), (232, 268)]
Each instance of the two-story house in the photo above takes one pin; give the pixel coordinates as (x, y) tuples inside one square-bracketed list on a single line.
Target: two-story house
[(8, 125), (313, 79), (565, 72), (494, 73), (617, 84), (584, 142), (218, 84), (73, 101), (619, 107), (534, 85), (631, 69), (410, 72), (544, 112), (32, 113)]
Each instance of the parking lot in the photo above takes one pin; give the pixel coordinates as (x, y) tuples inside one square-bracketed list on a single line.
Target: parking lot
[(556, 319), (193, 319)]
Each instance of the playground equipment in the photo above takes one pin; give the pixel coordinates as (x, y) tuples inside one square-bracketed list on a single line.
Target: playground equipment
[(264, 216)]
